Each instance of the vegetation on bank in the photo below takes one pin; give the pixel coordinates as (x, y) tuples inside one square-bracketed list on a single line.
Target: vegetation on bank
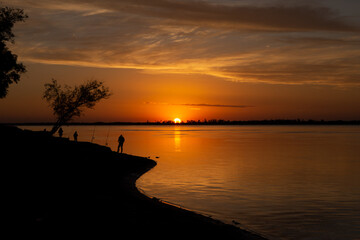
[(210, 122)]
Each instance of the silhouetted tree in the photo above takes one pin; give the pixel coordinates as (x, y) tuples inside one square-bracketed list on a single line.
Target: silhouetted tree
[(10, 69), (70, 102)]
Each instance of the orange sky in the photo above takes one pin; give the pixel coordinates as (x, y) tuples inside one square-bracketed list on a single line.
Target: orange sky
[(236, 60)]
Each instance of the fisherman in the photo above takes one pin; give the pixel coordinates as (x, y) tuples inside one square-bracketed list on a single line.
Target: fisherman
[(60, 132), (121, 141), (75, 136)]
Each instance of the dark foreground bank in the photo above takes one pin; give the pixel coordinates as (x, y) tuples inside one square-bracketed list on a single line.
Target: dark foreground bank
[(59, 188)]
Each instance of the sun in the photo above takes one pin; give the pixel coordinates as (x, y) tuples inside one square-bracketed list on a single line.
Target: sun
[(177, 120)]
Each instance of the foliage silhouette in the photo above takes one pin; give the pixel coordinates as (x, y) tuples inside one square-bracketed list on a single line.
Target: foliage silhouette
[(10, 69), (70, 102)]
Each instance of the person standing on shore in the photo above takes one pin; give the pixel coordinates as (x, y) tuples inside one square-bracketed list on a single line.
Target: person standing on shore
[(60, 132), (121, 141), (75, 136)]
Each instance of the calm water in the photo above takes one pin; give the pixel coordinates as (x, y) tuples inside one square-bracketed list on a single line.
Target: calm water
[(285, 182)]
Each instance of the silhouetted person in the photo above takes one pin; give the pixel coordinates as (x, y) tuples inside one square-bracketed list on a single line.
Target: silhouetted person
[(60, 132), (121, 141), (75, 136)]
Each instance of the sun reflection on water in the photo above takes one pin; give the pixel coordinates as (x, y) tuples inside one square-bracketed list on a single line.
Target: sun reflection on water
[(177, 140)]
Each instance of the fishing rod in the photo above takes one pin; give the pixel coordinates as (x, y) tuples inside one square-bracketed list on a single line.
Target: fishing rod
[(93, 135), (107, 136)]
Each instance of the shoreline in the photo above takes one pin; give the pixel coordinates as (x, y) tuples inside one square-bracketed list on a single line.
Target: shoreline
[(56, 187), (266, 122)]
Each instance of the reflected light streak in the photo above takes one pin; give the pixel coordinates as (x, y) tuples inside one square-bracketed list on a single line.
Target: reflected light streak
[(177, 140)]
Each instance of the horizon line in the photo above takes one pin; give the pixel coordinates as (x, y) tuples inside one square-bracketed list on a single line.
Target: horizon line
[(198, 122)]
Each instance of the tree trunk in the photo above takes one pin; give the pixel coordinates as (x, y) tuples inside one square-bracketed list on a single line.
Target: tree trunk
[(56, 126)]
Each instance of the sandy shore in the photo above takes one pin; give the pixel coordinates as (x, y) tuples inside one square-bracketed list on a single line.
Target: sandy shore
[(59, 188)]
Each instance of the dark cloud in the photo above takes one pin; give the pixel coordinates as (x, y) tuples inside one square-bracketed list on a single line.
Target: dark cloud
[(212, 105), (247, 17), (272, 16), (202, 105), (321, 41)]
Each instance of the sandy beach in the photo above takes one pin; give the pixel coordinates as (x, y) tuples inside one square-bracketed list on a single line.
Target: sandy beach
[(55, 187)]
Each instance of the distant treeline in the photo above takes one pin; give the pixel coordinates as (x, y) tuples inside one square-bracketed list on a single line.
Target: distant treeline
[(214, 122)]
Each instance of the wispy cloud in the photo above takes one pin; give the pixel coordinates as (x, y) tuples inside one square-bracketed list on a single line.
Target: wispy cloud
[(276, 17), (272, 43), (212, 105), (201, 105)]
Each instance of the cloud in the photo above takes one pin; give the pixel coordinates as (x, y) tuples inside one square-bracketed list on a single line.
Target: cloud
[(242, 17), (212, 105), (268, 17), (201, 105), (296, 73), (321, 41), (320, 61), (272, 43)]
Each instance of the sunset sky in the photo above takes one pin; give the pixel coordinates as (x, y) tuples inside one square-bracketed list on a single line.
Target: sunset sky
[(187, 59)]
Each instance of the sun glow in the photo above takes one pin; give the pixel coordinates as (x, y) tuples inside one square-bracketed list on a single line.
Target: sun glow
[(177, 120)]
